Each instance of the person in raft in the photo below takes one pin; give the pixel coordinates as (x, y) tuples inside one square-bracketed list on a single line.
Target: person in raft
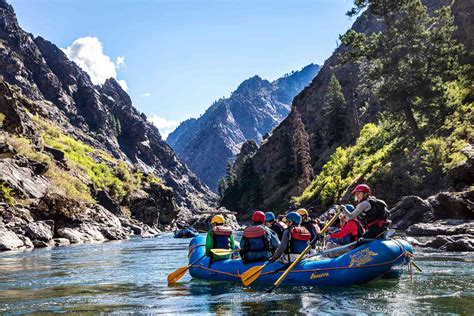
[(308, 223), (295, 239), (351, 230), (219, 237), (277, 226), (371, 212), (258, 241)]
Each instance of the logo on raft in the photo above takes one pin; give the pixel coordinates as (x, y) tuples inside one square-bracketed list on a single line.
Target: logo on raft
[(362, 257), (319, 275)]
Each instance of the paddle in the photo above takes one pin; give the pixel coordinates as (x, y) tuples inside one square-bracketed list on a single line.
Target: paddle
[(308, 248), (223, 252), (252, 274), (178, 274)]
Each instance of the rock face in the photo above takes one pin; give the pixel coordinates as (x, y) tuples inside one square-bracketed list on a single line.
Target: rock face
[(277, 163), (57, 90), (253, 110)]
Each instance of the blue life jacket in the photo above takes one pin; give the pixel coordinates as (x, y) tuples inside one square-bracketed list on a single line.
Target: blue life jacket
[(221, 236), (257, 239)]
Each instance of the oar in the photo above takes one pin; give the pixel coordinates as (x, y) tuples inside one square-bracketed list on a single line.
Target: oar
[(178, 274), (308, 248), (223, 252), (416, 265), (252, 274)]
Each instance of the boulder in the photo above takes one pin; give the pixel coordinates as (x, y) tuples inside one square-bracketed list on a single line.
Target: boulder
[(459, 245), (9, 240), (42, 243), (23, 179), (40, 231), (442, 227), (410, 210), (61, 241), (70, 234), (457, 205), (462, 175), (106, 201), (202, 222), (157, 209), (26, 242), (57, 154)]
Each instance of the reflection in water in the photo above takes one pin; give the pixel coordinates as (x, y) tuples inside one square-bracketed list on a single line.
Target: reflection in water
[(130, 276)]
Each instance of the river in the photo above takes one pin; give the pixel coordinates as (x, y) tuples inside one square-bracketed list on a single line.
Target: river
[(130, 276)]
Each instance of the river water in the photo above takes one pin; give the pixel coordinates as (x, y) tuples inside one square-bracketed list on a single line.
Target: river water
[(130, 276)]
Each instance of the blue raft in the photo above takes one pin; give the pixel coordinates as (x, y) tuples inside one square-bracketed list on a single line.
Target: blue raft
[(186, 233), (362, 264)]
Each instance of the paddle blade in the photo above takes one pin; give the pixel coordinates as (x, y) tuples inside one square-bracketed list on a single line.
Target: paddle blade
[(249, 276), (178, 274), (222, 252)]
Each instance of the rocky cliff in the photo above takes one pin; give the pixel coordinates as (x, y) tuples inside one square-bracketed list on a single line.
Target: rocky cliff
[(69, 141), (299, 147), (253, 110)]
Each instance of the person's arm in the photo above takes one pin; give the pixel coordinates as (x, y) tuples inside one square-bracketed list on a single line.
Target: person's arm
[(209, 243), (363, 206), (274, 240), (232, 242), (283, 245), (346, 230)]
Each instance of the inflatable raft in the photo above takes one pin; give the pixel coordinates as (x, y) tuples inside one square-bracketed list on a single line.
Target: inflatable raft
[(360, 265), (186, 233)]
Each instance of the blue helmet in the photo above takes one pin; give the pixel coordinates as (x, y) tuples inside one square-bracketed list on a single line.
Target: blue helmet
[(269, 216), (294, 217), (349, 207)]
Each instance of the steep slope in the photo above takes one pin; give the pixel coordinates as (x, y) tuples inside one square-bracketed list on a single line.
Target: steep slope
[(100, 116), (253, 110), (299, 147)]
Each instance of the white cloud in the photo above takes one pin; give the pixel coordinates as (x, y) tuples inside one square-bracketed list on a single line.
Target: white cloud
[(87, 52), (164, 126), (146, 94), (123, 84), (120, 62)]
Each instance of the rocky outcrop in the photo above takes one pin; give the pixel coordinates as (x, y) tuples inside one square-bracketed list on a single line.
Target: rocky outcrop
[(43, 82), (253, 110), (203, 222), (276, 161), (446, 219), (57, 221)]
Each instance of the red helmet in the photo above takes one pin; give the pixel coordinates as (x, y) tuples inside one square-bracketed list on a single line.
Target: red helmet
[(258, 216), (361, 188)]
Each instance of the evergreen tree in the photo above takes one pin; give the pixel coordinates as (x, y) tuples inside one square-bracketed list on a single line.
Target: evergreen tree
[(222, 186), (334, 110), (229, 174), (410, 62), (301, 147)]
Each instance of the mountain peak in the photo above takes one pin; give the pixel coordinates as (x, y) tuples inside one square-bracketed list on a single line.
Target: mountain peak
[(252, 84)]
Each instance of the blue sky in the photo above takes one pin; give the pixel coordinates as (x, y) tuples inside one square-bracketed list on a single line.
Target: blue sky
[(178, 56)]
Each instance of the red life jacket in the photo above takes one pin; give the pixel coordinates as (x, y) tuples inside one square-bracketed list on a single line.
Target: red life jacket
[(299, 237), (221, 235), (257, 239)]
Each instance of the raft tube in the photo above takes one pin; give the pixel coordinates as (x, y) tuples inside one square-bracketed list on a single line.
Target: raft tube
[(186, 233), (362, 264)]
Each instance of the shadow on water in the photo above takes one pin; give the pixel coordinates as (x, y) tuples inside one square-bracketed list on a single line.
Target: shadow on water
[(130, 277)]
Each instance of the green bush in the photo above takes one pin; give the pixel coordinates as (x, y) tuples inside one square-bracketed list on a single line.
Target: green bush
[(6, 193), (347, 165)]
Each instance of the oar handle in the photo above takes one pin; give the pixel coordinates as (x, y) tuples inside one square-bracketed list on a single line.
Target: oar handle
[(300, 257)]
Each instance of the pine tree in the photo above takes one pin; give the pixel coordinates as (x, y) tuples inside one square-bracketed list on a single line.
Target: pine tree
[(302, 152), (229, 174), (410, 62), (222, 186), (334, 110)]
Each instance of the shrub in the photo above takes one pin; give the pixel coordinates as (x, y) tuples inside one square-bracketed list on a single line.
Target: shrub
[(6, 193)]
